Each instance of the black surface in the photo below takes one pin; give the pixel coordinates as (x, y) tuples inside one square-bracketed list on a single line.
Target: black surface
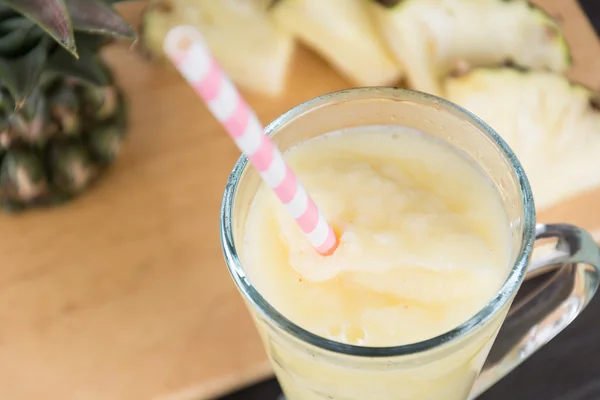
[(568, 368), (592, 9)]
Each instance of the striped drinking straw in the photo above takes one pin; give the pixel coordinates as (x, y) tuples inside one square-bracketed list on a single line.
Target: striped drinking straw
[(189, 53)]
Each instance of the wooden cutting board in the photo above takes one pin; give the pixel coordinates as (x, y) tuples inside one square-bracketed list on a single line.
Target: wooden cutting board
[(123, 294)]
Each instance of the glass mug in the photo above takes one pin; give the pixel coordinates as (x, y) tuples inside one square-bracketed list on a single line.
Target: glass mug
[(449, 366)]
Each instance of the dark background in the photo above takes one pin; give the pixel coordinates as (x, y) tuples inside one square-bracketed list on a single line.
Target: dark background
[(568, 368), (592, 8)]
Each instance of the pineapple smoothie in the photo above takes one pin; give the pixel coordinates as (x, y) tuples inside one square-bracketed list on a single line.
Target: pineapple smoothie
[(424, 245)]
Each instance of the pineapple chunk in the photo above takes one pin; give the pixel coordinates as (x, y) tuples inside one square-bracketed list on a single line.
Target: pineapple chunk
[(240, 33), (343, 33), (430, 37), (552, 125)]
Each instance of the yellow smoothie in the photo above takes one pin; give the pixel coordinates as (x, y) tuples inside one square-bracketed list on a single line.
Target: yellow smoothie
[(424, 245)]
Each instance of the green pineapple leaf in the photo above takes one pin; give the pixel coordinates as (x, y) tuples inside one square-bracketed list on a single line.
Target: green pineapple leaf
[(18, 36), (32, 105), (88, 67), (91, 41), (7, 104), (97, 16), (52, 16), (21, 75), (13, 34), (6, 12)]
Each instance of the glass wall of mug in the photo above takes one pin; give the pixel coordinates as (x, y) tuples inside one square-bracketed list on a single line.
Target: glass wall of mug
[(310, 367)]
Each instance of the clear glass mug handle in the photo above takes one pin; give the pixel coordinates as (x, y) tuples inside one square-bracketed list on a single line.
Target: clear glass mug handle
[(543, 314)]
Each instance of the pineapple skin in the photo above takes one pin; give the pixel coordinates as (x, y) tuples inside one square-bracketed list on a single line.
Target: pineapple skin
[(62, 118), (82, 129)]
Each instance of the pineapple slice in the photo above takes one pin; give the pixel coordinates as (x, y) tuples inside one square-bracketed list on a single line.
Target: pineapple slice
[(241, 34), (343, 33), (429, 37), (552, 125)]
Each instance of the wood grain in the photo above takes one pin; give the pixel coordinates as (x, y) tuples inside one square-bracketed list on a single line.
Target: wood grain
[(123, 293)]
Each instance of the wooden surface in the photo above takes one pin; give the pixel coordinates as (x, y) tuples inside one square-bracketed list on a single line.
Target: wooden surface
[(123, 293)]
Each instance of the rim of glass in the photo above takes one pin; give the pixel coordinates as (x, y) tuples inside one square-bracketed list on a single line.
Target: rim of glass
[(515, 276)]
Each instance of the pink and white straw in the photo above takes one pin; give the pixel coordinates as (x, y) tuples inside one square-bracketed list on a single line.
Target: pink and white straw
[(187, 50)]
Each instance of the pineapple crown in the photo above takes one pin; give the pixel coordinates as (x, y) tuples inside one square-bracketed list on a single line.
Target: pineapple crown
[(45, 37)]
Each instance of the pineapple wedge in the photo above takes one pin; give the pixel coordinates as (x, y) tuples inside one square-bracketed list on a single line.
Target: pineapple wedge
[(552, 125), (241, 34), (344, 34), (430, 37)]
